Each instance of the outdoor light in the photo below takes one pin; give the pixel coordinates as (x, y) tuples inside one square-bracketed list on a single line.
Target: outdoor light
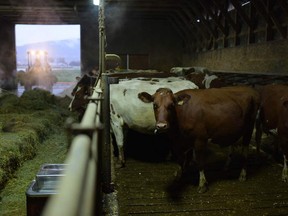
[(41, 52), (96, 2)]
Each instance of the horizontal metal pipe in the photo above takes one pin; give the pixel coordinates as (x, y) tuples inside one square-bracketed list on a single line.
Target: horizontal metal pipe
[(69, 195), (78, 189), (89, 115)]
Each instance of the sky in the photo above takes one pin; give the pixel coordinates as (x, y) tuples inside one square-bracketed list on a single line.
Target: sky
[(26, 34)]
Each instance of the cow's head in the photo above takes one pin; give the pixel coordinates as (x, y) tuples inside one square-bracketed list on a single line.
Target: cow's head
[(164, 103), (81, 92), (79, 99)]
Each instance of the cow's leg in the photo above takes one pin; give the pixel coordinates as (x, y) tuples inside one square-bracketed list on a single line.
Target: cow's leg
[(121, 156), (284, 171), (200, 148), (229, 158), (182, 161), (185, 160), (258, 132), (284, 147), (245, 148), (244, 153), (118, 131), (243, 172), (202, 188)]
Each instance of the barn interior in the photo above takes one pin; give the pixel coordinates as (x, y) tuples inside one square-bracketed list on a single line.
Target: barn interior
[(236, 39), (224, 36)]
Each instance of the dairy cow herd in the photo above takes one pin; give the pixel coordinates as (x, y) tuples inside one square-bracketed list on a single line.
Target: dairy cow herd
[(195, 114)]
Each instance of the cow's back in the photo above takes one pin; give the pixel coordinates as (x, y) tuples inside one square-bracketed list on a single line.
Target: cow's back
[(219, 113), (274, 113)]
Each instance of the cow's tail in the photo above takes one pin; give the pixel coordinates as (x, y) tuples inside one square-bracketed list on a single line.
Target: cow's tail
[(252, 113), (257, 122), (258, 130)]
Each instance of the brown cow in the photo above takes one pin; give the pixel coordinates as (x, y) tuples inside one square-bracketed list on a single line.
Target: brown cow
[(205, 81), (273, 118), (191, 117)]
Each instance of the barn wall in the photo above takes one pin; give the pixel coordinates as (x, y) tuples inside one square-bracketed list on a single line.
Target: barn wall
[(89, 33), (268, 57), (156, 39), (7, 56)]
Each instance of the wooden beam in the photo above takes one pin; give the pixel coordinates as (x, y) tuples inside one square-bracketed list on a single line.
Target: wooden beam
[(224, 11), (251, 33), (269, 16), (283, 4), (260, 7), (193, 21), (208, 9), (186, 22), (282, 30), (241, 12), (202, 20)]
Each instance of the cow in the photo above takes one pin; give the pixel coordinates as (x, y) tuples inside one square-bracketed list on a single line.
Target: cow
[(80, 94), (202, 77), (192, 118), (127, 111), (205, 81), (273, 119)]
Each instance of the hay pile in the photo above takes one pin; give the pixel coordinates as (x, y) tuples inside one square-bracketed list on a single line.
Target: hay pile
[(24, 123)]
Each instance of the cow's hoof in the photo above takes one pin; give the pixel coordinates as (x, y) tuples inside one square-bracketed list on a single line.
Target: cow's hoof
[(284, 175), (178, 175), (284, 178), (242, 176), (119, 164), (202, 189)]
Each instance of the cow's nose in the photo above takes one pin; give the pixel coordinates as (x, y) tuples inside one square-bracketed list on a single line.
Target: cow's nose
[(161, 126)]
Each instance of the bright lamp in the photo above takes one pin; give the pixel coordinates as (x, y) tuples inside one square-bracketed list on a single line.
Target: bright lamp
[(96, 2)]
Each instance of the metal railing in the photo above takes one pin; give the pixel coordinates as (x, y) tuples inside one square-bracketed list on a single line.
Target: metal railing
[(80, 190)]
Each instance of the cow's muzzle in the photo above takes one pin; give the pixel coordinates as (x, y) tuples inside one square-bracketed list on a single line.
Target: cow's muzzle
[(161, 127)]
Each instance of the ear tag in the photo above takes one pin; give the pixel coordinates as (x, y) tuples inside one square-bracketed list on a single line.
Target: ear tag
[(180, 103)]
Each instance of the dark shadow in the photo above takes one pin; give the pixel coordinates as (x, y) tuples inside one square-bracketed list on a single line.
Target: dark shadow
[(217, 171), (145, 147), (177, 187)]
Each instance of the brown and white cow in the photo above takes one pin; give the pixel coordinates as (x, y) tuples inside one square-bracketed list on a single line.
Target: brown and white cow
[(192, 117), (205, 81), (127, 111), (273, 119)]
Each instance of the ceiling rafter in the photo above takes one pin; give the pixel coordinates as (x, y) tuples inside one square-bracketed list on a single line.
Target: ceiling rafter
[(203, 24), (241, 12), (202, 19), (283, 4), (269, 16), (168, 11), (188, 11), (209, 11), (224, 10)]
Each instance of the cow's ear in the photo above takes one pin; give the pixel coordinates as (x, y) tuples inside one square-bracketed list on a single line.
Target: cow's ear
[(182, 99), (145, 97)]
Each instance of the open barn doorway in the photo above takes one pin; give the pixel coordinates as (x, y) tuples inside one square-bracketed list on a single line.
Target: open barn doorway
[(48, 56)]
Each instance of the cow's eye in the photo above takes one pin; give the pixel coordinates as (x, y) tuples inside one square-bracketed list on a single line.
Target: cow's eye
[(155, 106)]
